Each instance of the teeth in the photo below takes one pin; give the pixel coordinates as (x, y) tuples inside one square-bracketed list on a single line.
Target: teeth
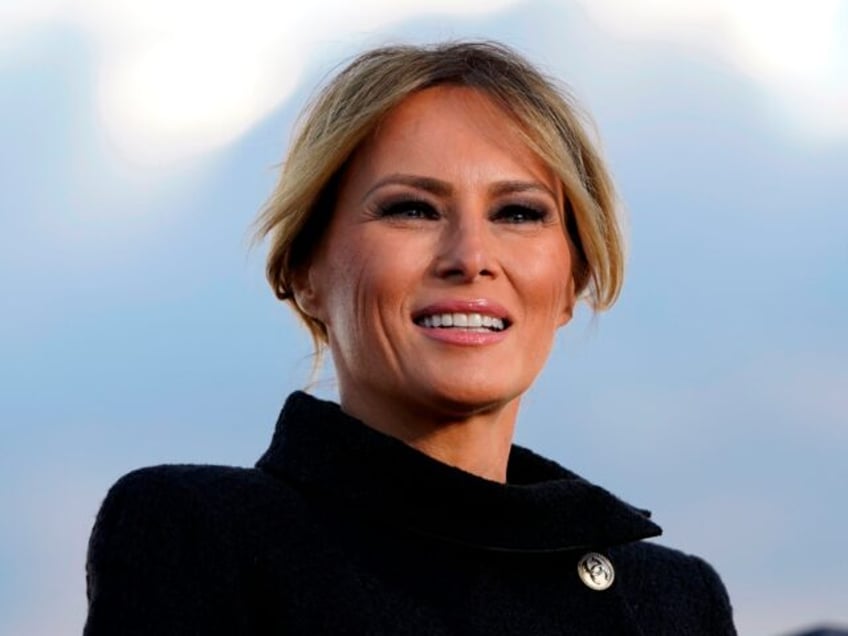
[(462, 321)]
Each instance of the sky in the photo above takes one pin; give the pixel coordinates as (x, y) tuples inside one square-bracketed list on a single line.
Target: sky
[(140, 140)]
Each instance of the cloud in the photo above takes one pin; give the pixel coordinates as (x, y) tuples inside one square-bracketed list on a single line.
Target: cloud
[(797, 52), (177, 79)]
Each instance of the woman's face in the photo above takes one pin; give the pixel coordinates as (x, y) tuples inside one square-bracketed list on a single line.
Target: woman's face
[(445, 270)]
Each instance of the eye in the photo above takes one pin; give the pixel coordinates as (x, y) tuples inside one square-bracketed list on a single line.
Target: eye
[(520, 213), (408, 209)]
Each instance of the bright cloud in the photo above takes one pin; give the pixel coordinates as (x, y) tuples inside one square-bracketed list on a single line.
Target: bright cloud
[(797, 50), (176, 79)]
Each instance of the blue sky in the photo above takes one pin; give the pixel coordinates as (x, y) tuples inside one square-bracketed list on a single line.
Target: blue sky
[(137, 328)]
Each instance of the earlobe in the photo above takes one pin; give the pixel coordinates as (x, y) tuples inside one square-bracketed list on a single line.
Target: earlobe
[(305, 293), (566, 315), (570, 301)]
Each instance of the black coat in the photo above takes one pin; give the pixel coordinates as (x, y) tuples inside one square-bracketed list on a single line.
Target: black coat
[(342, 530)]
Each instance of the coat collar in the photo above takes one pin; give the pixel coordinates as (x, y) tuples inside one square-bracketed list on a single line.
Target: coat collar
[(542, 507)]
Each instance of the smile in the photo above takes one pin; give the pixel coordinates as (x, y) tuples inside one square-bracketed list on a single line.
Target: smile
[(457, 320)]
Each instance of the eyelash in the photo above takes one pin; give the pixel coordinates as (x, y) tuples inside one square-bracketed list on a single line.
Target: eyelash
[(408, 208), (513, 213), (521, 213)]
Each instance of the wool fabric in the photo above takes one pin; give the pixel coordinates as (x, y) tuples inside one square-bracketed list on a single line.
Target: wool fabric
[(340, 529)]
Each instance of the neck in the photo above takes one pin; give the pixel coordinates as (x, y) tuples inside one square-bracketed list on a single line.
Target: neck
[(478, 442)]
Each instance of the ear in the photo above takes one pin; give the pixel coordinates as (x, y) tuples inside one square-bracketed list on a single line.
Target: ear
[(306, 293), (569, 301)]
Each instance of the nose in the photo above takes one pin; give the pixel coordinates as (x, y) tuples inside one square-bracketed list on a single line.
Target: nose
[(466, 251)]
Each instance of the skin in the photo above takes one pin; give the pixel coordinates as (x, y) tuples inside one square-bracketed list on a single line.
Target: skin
[(443, 204)]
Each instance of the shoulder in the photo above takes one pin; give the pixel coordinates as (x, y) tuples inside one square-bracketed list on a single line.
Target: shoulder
[(169, 501), (206, 486), (652, 565), (682, 590), (189, 479), (172, 547)]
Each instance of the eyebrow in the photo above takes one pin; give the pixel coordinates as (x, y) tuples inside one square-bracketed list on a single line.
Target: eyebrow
[(429, 184), (444, 188), (509, 187)]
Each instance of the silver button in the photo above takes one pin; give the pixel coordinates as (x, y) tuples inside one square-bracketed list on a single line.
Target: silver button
[(596, 571)]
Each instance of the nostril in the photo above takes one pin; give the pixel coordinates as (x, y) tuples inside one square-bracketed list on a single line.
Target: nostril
[(465, 248), (465, 260), (465, 273)]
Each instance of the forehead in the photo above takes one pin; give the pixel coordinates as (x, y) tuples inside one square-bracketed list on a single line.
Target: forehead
[(453, 133)]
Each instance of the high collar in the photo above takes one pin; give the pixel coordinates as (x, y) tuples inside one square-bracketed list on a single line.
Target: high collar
[(542, 507)]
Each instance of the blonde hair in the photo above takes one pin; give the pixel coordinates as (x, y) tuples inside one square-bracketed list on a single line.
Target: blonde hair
[(351, 106)]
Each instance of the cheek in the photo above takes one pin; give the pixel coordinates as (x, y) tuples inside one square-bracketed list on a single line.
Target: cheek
[(360, 289), (549, 286), (379, 269)]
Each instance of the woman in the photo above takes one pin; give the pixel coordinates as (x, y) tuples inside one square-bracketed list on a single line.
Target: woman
[(440, 212)]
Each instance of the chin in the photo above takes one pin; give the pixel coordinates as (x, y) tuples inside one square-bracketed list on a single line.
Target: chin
[(465, 400)]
